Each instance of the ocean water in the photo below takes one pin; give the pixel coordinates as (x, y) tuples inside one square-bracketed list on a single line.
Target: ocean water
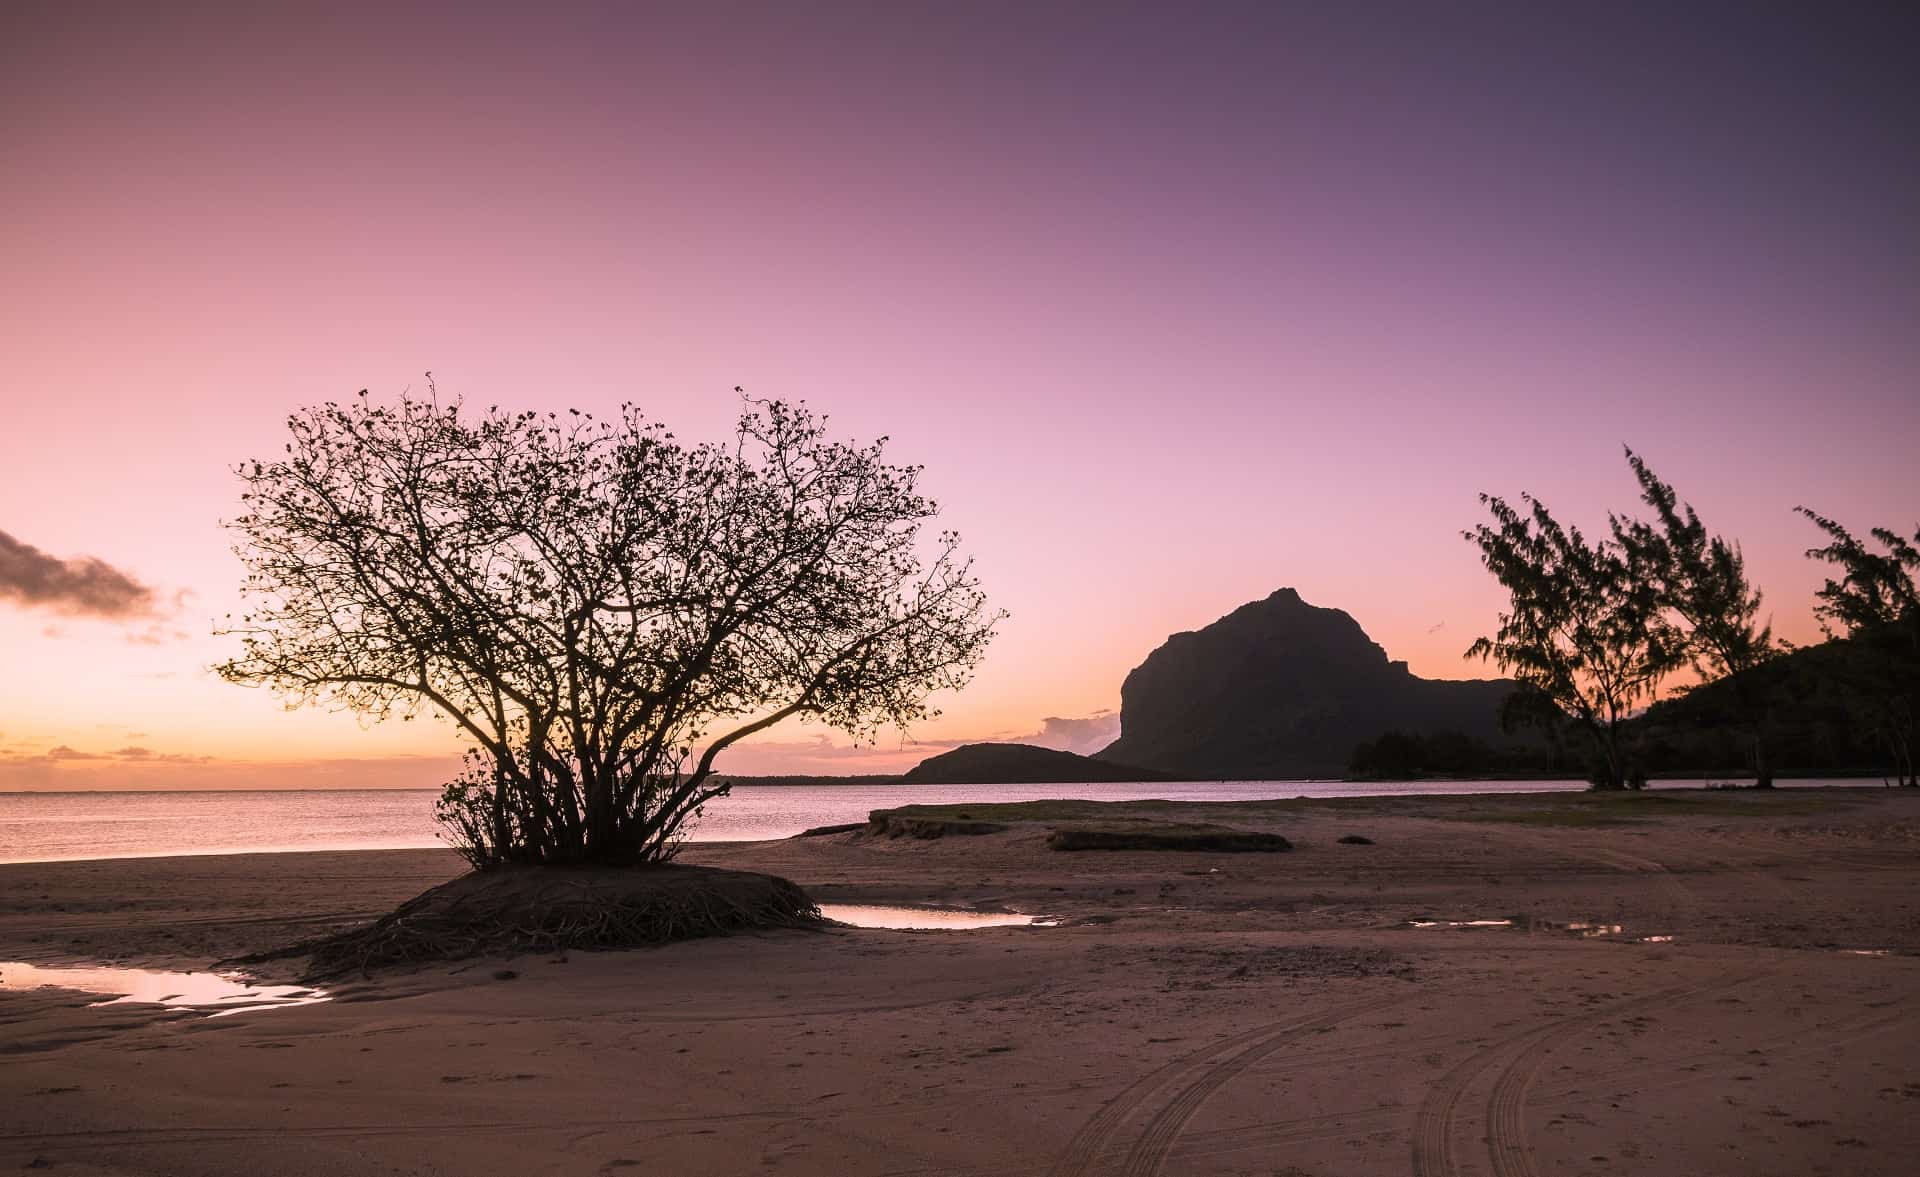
[(50, 827)]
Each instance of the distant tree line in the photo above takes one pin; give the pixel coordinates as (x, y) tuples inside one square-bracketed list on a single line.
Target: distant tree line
[(1595, 626)]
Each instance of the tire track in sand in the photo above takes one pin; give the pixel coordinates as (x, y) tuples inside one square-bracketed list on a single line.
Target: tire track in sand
[(1226, 1058), (1647, 1077), (1520, 1054), (1150, 1149)]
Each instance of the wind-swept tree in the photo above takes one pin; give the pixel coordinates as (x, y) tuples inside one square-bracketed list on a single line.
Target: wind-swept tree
[(1702, 580), (600, 608), (1876, 603), (1584, 627)]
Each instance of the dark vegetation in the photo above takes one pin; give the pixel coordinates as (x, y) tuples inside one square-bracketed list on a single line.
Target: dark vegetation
[(1104, 825), (906, 823), (1876, 604), (1593, 627), (1814, 728), (1405, 756), (1165, 836)]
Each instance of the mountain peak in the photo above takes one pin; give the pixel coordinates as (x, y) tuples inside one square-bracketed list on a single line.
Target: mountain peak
[(1283, 688)]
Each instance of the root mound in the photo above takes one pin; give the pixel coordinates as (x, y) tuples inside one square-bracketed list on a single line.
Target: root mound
[(550, 908)]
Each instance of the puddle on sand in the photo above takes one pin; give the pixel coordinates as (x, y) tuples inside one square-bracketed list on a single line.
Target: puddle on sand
[(220, 994), (1867, 951), (1589, 930), (921, 919), (1585, 929)]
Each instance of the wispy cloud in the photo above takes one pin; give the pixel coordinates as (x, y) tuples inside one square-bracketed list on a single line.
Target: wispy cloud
[(155, 635), (137, 766), (83, 586)]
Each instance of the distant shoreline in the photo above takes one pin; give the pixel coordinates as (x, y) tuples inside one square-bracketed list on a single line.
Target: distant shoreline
[(833, 782), (420, 836)]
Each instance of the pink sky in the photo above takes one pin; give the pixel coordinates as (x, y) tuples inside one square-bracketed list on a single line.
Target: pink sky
[(1176, 309)]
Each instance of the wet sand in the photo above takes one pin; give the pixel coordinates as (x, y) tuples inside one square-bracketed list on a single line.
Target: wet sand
[(1197, 1013)]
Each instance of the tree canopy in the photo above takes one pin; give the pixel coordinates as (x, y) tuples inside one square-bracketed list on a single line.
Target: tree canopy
[(1593, 627), (1875, 602), (599, 607), (1701, 580), (1584, 628)]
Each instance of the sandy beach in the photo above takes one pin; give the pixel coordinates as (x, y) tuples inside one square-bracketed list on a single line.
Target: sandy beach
[(1193, 1013)]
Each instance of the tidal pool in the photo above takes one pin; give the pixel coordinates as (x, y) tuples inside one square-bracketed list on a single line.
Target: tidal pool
[(870, 915), (220, 994)]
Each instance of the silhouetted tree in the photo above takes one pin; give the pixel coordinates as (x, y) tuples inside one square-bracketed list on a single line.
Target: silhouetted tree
[(1530, 708), (1876, 603), (1584, 626), (591, 602), (1702, 580)]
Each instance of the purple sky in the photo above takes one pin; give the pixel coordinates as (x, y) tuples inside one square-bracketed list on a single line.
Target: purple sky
[(1178, 304)]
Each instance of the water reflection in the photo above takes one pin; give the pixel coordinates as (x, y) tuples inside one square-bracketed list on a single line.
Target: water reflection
[(1586, 929), (222, 994), (869, 915)]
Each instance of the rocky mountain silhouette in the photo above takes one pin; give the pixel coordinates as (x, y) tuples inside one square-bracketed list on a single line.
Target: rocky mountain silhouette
[(1280, 688)]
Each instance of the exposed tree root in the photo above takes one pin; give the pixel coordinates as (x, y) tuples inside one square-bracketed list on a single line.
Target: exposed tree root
[(547, 909)]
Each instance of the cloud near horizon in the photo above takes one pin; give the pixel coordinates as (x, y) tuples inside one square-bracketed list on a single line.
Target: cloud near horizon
[(820, 755), (136, 767), (85, 586), (1085, 735), (25, 767)]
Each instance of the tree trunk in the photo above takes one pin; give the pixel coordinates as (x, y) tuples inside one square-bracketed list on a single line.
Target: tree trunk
[(1613, 772), (1762, 767), (500, 836), (602, 836)]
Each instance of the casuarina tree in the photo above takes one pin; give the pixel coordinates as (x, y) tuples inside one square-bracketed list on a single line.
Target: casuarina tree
[(599, 607), (1701, 581), (1584, 628), (1876, 603)]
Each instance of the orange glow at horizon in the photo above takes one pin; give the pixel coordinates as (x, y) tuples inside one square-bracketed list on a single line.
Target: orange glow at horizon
[(1175, 310)]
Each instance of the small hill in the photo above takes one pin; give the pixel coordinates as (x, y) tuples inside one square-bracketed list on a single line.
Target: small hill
[(1815, 725), (1280, 688), (1021, 764)]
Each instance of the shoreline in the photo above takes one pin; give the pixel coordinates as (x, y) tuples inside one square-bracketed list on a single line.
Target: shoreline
[(1196, 1012), (787, 823), (1666, 782)]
